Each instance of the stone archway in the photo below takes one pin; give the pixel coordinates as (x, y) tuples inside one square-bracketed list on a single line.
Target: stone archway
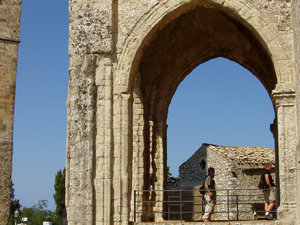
[(197, 35), (127, 59), (109, 55)]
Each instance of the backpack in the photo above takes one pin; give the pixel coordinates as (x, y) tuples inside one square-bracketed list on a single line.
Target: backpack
[(262, 184), (202, 189)]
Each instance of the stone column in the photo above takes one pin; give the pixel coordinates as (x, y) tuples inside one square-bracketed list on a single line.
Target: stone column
[(121, 157), (273, 129), (126, 157), (138, 146), (104, 148), (149, 175), (80, 140), (90, 149), (9, 42), (152, 167), (156, 167), (160, 161), (284, 101), (296, 29)]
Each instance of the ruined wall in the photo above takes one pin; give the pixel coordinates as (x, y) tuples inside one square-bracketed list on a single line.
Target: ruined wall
[(9, 41), (114, 136), (296, 29), (109, 146), (236, 167), (192, 172), (230, 178)]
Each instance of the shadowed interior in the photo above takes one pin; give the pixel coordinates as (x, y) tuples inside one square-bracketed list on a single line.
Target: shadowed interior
[(189, 40)]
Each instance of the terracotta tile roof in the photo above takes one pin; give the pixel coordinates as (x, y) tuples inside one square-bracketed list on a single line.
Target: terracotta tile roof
[(245, 157)]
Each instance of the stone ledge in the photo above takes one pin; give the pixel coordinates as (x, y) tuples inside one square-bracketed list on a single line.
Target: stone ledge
[(177, 222)]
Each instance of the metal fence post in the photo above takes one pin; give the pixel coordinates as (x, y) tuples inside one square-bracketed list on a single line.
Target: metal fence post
[(237, 207), (180, 203), (139, 202), (228, 216), (134, 206), (169, 208), (202, 205)]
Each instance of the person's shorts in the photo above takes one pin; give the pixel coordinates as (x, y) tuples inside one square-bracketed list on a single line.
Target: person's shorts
[(269, 196)]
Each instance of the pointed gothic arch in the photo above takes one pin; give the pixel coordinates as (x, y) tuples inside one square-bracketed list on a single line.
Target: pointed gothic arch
[(127, 59), (193, 35)]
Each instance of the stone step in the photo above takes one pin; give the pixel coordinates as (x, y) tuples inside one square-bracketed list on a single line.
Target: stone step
[(177, 222)]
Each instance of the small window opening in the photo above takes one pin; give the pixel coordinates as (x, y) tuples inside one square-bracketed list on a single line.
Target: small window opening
[(202, 164), (234, 174)]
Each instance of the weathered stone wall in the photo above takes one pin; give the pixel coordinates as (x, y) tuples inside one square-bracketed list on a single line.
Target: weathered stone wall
[(284, 101), (115, 136), (296, 29), (9, 40), (192, 172), (237, 167), (229, 178), (126, 60)]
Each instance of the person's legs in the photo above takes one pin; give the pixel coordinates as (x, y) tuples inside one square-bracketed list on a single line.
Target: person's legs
[(272, 200), (267, 206), (213, 206), (208, 207), (271, 206), (212, 209), (270, 203), (267, 200)]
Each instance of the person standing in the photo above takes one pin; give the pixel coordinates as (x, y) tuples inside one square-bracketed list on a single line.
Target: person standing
[(210, 195), (267, 184)]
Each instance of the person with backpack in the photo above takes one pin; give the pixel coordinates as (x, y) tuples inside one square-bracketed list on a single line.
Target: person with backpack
[(210, 195), (266, 184)]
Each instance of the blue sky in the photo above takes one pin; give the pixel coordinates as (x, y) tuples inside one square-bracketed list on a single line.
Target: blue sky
[(41, 95), (220, 102)]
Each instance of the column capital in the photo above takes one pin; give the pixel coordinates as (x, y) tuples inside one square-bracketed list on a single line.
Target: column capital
[(283, 97)]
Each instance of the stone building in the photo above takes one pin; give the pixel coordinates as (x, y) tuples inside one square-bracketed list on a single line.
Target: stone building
[(236, 168), (127, 59)]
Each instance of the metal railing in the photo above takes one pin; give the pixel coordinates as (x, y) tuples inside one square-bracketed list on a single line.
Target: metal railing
[(189, 205)]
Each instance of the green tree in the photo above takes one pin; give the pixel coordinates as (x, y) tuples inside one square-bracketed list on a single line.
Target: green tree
[(171, 180), (38, 213), (14, 205), (59, 196)]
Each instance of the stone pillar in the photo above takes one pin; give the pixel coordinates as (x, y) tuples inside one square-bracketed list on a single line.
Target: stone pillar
[(90, 148), (126, 157), (156, 167), (149, 177), (284, 101), (80, 140), (160, 162), (274, 131), (154, 171), (121, 157), (104, 148), (296, 29), (9, 42), (138, 160)]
